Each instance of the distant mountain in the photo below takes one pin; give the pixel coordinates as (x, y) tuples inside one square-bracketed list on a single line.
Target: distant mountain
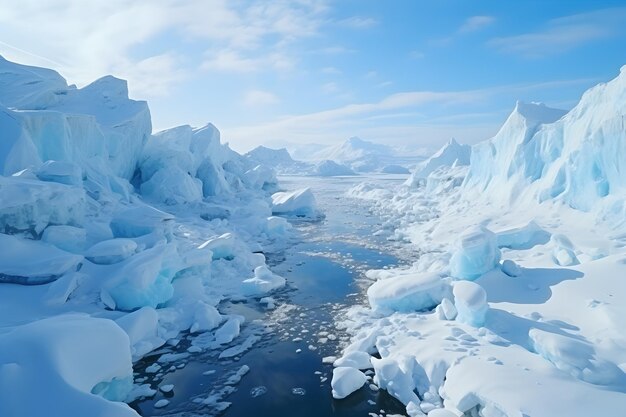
[(278, 159), (363, 156)]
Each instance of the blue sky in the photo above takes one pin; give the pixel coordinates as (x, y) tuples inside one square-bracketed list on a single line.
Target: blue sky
[(406, 72)]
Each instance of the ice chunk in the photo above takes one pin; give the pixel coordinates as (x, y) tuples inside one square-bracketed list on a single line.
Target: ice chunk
[(161, 403), (111, 251), (140, 220), (412, 292), (451, 154), (206, 317), (524, 237), (470, 300), (31, 205), (277, 226), (171, 185), (396, 377), (26, 261), (61, 289), (575, 357), (345, 381), (141, 280), (61, 172), (511, 268), (446, 310), (263, 282), (300, 203), (141, 326), (52, 370), (563, 252), (68, 238), (229, 330), (221, 247), (354, 359), (476, 254), (394, 169)]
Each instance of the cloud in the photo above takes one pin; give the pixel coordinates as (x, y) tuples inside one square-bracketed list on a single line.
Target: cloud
[(335, 124), (565, 33), (358, 22), (85, 39), (474, 23), (331, 71), (255, 98), (330, 88)]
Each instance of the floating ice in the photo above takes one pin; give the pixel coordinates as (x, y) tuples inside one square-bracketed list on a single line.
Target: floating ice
[(300, 203), (264, 281), (345, 381), (354, 359)]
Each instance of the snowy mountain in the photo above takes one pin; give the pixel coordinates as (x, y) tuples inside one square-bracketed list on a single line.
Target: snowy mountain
[(358, 154), (279, 160)]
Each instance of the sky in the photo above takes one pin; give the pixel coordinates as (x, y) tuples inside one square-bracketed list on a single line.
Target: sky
[(408, 73)]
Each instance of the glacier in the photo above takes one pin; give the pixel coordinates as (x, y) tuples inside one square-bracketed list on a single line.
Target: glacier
[(527, 230), (115, 240)]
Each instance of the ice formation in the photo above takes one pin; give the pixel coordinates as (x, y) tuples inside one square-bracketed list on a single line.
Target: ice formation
[(98, 215), (299, 203), (532, 335)]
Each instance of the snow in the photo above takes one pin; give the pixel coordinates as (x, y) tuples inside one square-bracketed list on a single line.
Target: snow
[(354, 359), (476, 254), (394, 169), (299, 203), (542, 330), (53, 359), (345, 381)]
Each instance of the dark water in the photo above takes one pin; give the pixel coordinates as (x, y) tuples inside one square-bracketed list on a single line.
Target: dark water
[(286, 375)]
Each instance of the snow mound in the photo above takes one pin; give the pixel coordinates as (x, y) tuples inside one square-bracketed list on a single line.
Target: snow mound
[(395, 169), (414, 292), (54, 365)]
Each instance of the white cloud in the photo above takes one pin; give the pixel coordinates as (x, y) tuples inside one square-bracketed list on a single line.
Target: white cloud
[(330, 88), (358, 22), (565, 33), (228, 60), (331, 70), (255, 98), (474, 23), (87, 39)]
